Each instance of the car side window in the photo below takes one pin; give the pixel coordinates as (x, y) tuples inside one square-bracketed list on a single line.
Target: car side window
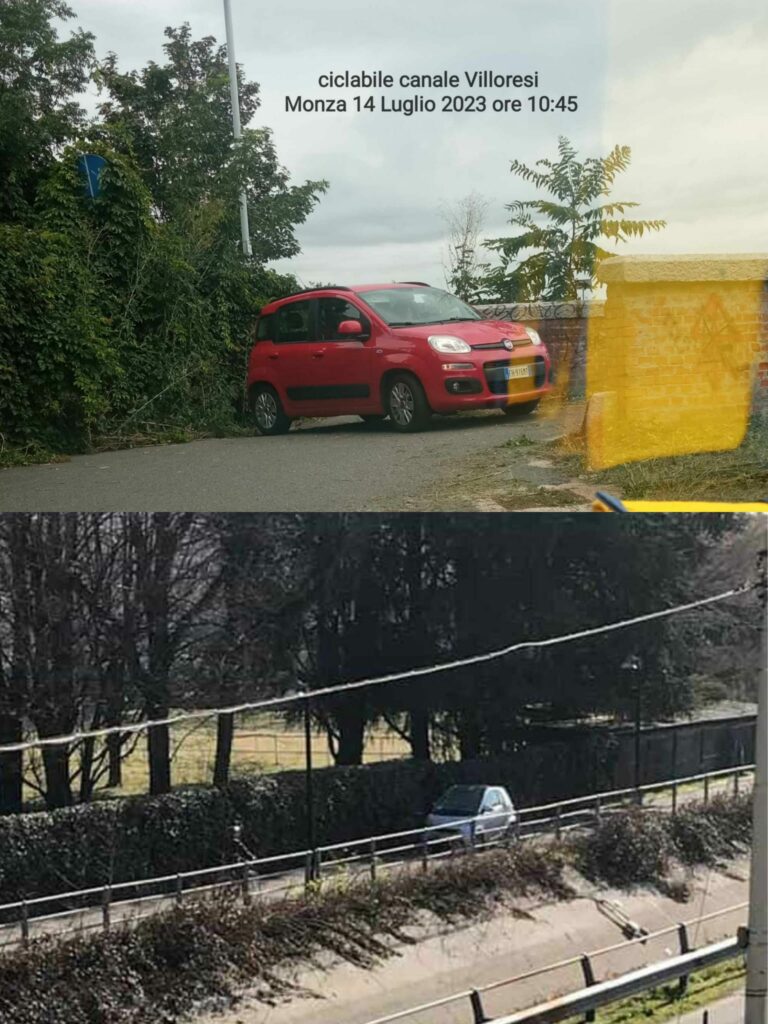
[(331, 312), (292, 323)]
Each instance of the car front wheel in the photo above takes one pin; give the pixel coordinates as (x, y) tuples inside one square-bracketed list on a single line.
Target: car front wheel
[(406, 404), (268, 412)]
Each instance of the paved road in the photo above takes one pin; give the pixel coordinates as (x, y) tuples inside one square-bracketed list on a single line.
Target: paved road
[(338, 465)]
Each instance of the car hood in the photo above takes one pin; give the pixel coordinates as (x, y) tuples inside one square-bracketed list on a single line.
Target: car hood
[(451, 819), (474, 332)]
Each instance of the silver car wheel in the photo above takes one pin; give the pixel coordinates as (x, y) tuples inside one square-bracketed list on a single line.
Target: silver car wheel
[(402, 403), (265, 410)]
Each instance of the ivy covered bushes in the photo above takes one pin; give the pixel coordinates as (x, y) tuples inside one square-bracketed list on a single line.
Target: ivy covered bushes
[(128, 313), (55, 355)]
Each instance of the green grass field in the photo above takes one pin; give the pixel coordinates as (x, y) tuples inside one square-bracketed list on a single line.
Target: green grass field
[(261, 744), (664, 1003)]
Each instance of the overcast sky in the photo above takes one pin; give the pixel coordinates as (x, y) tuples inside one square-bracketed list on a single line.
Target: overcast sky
[(683, 82)]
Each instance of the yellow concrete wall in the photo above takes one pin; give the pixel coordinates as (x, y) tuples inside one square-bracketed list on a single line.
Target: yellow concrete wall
[(673, 362)]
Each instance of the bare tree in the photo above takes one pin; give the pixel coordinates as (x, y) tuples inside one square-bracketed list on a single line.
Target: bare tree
[(465, 221)]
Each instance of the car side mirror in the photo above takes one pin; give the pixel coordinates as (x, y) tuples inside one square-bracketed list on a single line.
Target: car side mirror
[(352, 329)]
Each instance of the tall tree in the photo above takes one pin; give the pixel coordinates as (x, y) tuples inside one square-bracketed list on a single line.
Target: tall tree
[(557, 249), (177, 120), (40, 79)]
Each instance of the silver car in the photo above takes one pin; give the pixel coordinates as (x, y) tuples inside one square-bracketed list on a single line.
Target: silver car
[(475, 813)]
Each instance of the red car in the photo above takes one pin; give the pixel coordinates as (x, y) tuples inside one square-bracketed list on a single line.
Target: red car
[(401, 351)]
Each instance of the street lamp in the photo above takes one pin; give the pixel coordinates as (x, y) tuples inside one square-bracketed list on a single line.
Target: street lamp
[(632, 664), (245, 233)]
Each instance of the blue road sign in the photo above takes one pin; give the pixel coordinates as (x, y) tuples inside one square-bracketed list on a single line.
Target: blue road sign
[(90, 166)]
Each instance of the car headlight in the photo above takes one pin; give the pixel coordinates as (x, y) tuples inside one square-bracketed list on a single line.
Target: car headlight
[(447, 343), (534, 336)]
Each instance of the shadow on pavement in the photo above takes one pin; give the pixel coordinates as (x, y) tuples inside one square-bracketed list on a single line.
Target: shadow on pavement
[(438, 424)]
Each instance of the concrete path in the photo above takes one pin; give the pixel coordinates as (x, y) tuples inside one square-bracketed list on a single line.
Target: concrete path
[(490, 951)]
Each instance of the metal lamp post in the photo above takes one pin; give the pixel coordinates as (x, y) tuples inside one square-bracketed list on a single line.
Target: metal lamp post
[(245, 233), (756, 1004), (632, 664), (308, 791)]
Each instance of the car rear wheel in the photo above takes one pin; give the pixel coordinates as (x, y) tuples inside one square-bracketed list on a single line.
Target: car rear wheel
[(268, 412), (406, 404), (522, 408)]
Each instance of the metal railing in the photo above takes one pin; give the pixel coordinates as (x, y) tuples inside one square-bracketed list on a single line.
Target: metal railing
[(100, 907), (591, 998), (593, 990)]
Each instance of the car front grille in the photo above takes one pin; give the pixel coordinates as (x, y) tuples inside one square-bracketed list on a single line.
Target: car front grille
[(497, 385), (517, 343)]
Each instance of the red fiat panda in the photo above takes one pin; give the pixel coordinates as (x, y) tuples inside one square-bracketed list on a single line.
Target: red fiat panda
[(401, 351)]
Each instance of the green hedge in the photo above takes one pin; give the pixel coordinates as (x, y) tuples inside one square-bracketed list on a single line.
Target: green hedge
[(138, 837)]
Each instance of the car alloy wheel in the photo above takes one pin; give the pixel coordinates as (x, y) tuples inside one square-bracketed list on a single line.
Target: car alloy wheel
[(265, 410), (402, 404)]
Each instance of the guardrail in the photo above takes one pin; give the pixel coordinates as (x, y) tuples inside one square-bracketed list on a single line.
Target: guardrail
[(595, 993), (589, 999), (102, 906)]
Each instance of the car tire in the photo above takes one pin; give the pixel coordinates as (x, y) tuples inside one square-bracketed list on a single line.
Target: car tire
[(521, 408), (406, 403), (268, 413)]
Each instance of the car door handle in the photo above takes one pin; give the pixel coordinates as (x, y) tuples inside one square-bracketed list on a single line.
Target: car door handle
[(274, 355), (318, 355)]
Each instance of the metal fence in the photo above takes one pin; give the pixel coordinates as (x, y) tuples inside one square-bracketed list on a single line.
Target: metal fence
[(102, 907), (587, 998)]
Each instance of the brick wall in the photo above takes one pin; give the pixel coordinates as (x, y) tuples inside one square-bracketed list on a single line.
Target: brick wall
[(563, 328), (679, 360)]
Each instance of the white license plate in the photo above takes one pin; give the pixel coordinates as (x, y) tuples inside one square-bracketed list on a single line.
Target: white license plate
[(513, 372)]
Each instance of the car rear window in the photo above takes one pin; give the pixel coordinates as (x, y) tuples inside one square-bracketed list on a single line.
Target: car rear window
[(264, 328)]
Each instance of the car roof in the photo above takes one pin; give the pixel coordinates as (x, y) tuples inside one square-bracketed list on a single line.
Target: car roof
[(389, 285), (475, 785)]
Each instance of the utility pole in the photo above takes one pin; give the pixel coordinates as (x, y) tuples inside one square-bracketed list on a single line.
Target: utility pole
[(756, 1005), (244, 228)]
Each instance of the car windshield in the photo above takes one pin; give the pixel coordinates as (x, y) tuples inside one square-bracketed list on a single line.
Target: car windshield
[(460, 800), (409, 307)]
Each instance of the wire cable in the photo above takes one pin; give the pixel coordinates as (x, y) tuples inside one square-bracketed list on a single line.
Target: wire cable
[(341, 688)]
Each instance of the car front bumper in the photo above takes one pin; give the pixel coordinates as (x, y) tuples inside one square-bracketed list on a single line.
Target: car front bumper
[(488, 380)]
